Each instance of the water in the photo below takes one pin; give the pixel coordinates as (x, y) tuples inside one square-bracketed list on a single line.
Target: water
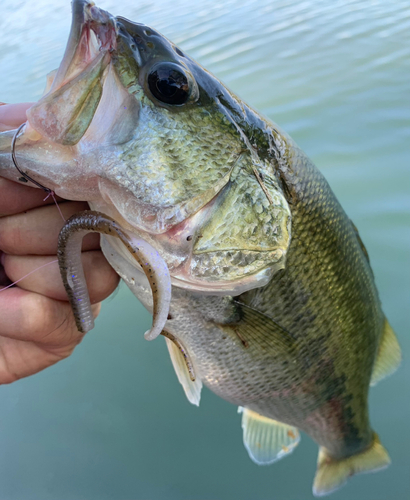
[(112, 422)]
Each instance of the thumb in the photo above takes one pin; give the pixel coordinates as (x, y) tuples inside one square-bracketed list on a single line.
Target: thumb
[(13, 115)]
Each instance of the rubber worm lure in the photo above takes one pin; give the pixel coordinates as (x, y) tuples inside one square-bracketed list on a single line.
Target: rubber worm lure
[(72, 273)]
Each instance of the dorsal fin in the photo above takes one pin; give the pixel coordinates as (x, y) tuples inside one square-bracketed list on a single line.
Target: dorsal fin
[(267, 440), (192, 385), (388, 356)]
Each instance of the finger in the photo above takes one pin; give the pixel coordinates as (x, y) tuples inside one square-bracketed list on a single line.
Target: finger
[(4, 281), (19, 358), (101, 279), (28, 346), (35, 318), (15, 197), (36, 232), (13, 115)]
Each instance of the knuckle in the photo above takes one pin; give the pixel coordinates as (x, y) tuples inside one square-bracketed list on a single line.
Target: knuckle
[(50, 322)]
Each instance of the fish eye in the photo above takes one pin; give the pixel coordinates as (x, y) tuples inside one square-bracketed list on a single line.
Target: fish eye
[(169, 84)]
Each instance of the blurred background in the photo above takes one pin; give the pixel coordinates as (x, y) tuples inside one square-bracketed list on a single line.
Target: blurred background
[(112, 421)]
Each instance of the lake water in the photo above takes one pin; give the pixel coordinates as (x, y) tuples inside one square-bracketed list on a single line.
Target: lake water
[(112, 422)]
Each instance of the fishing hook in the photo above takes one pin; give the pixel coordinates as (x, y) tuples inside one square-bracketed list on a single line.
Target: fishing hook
[(24, 175)]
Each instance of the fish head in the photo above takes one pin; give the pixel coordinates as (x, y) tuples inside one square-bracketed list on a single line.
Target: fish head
[(133, 125)]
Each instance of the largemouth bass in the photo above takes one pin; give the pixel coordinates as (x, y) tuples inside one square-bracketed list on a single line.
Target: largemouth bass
[(274, 305)]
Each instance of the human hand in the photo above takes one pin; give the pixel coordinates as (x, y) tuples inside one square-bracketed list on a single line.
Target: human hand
[(13, 115), (37, 326)]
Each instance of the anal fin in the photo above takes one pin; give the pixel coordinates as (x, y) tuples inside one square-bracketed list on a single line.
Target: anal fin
[(332, 473), (192, 385), (267, 440), (388, 357)]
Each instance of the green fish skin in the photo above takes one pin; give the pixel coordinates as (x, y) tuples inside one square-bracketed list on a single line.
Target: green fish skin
[(313, 371), (274, 305)]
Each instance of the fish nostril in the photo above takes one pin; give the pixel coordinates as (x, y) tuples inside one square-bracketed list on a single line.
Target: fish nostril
[(148, 32), (179, 52), (150, 45)]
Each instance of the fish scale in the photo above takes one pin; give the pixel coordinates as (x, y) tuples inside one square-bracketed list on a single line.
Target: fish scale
[(331, 298)]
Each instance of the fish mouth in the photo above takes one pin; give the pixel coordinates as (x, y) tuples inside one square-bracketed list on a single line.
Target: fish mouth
[(93, 35), (66, 111)]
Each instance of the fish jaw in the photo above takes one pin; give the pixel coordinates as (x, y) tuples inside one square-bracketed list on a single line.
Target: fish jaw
[(64, 114)]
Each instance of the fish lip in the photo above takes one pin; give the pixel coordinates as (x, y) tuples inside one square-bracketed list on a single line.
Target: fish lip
[(93, 31)]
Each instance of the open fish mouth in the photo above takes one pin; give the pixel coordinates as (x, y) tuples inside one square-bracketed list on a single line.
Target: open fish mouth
[(92, 36), (64, 114)]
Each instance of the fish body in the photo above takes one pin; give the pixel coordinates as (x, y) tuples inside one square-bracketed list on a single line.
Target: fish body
[(274, 305)]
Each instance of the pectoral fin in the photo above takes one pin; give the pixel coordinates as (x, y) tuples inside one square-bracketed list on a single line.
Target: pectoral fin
[(388, 357), (191, 384), (267, 440), (254, 326)]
